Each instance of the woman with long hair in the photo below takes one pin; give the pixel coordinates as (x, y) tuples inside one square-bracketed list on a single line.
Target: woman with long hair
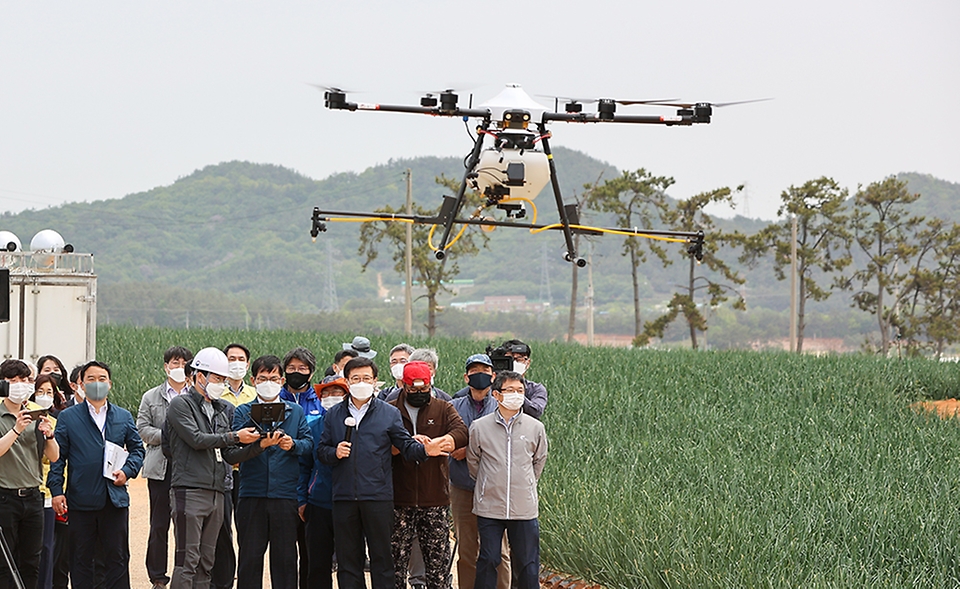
[(51, 365)]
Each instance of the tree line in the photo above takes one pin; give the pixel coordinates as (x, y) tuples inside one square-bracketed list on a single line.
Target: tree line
[(901, 268)]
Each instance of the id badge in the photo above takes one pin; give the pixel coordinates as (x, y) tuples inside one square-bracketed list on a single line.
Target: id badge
[(219, 456)]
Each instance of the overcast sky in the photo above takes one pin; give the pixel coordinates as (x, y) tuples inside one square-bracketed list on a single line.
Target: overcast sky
[(99, 99)]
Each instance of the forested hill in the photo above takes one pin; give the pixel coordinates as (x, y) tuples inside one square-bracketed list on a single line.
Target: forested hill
[(236, 235), (243, 228)]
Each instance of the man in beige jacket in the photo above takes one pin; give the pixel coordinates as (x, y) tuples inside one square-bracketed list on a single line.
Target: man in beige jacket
[(506, 455)]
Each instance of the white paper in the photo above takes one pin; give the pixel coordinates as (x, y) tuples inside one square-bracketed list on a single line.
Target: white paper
[(114, 457)]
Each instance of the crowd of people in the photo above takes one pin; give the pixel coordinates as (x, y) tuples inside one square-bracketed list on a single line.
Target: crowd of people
[(349, 473)]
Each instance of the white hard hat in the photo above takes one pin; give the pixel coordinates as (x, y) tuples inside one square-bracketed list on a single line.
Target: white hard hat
[(211, 360)]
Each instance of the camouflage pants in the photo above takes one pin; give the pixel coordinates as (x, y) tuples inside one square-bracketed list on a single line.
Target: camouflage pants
[(432, 526)]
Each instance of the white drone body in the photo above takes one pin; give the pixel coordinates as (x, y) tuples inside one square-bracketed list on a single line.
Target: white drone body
[(513, 167)]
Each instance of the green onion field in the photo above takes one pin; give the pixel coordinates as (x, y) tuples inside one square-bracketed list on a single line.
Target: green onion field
[(703, 469)]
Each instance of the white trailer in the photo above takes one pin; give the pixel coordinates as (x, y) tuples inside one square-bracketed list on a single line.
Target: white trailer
[(53, 307)]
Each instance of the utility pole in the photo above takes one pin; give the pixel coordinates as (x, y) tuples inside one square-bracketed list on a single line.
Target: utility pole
[(793, 285), (330, 302), (590, 295), (408, 262), (545, 295)]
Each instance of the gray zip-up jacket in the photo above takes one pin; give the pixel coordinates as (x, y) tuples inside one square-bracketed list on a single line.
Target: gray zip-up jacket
[(506, 460), (202, 450), (150, 420)]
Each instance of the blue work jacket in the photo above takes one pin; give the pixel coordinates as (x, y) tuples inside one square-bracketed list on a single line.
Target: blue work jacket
[(274, 473), (81, 453), (316, 478)]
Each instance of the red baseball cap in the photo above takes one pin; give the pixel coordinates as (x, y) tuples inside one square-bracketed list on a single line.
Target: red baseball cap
[(416, 374)]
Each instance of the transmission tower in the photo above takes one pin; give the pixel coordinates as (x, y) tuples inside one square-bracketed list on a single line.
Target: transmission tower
[(330, 303), (545, 296)]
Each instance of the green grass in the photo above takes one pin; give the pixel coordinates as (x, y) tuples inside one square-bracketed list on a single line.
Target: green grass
[(684, 469)]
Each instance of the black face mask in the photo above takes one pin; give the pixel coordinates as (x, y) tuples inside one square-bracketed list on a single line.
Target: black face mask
[(480, 381), (57, 378), (418, 399), (296, 380)]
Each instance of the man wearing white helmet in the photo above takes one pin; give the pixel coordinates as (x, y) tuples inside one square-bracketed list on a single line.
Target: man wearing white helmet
[(202, 449)]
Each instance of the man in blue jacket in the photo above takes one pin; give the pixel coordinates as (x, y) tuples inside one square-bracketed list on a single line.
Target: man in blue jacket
[(267, 509), (363, 475), (471, 402), (99, 506), (315, 493)]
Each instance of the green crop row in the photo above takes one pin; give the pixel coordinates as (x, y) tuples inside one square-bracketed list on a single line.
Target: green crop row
[(685, 469)]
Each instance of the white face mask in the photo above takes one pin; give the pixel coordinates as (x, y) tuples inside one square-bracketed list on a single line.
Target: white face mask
[(361, 391), (512, 401), (268, 390), (329, 403), (397, 371), (79, 392), (178, 375), (45, 401), (20, 392), (237, 370), (519, 367), (215, 390)]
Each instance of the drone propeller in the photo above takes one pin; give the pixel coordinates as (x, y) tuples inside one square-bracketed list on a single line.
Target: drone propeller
[(713, 104), (332, 89), (631, 102)]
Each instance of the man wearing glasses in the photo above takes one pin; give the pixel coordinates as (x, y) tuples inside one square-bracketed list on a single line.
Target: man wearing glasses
[(535, 394), (363, 475), (298, 367), (267, 509), (506, 455)]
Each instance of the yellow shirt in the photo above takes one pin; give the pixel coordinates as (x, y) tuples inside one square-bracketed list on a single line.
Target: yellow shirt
[(247, 394)]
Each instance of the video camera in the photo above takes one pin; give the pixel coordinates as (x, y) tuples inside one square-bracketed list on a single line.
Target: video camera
[(501, 361)]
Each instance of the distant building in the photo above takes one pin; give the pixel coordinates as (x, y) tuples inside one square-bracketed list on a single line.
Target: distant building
[(502, 304)]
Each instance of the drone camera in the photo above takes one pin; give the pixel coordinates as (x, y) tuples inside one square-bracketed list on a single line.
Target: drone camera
[(516, 119), (606, 109), (515, 174)]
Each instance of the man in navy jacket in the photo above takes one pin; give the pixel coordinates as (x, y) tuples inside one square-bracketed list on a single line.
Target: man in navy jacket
[(99, 506), (267, 508), (363, 475)]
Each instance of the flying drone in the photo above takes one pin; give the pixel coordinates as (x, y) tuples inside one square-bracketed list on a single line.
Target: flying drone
[(511, 163)]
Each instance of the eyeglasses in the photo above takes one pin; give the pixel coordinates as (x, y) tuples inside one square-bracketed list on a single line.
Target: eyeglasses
[(512, 391), (426, 390), (300, 369), (367, 379), (263, 379)]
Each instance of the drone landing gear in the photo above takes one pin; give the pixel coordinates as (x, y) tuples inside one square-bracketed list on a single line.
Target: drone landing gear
[(565, 211), (450, 210)]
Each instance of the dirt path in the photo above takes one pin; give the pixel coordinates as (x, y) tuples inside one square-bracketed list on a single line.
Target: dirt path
[(140, 531)]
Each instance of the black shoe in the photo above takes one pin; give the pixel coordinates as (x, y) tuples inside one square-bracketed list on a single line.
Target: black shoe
[(418, 586)]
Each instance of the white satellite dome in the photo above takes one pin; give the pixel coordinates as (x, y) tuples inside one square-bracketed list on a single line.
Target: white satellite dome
[(6, 238), (48, 241)]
